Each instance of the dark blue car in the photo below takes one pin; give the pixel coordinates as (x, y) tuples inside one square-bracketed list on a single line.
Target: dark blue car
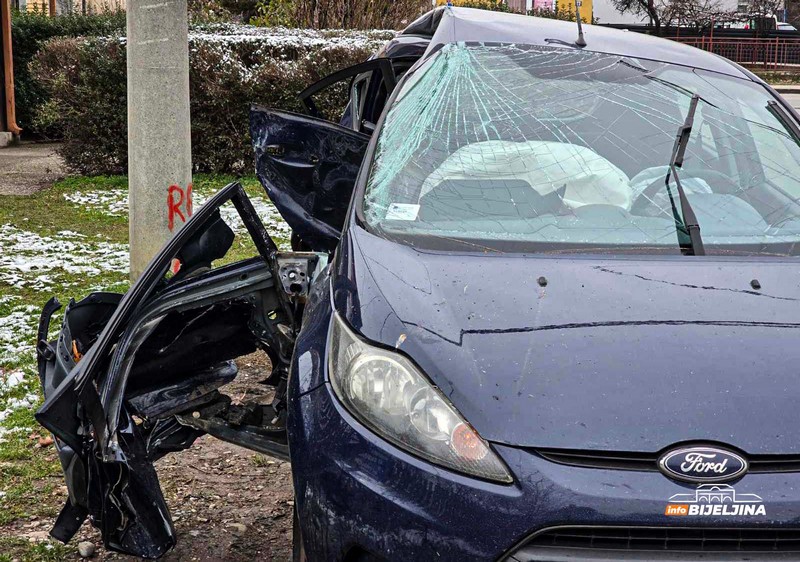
[(542, 304)]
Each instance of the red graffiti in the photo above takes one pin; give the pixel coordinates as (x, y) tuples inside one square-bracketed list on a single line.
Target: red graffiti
[(189, 201), (177, 201)]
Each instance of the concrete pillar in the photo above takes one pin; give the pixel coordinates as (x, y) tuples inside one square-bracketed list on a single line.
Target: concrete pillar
[(159, 131)]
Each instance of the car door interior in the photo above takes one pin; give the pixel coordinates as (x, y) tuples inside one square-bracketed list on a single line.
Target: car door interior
[(371, 84), (379, 70), (131, 378), (308, 167)]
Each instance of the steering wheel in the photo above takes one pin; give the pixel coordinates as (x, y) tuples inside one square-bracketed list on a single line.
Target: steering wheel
[(717, 181)]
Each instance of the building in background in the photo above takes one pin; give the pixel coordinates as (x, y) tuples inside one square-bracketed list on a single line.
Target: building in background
[(606, 13), (566, 5), (68, 6)]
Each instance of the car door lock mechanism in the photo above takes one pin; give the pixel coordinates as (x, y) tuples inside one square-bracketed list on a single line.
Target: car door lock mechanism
[(295, 270)]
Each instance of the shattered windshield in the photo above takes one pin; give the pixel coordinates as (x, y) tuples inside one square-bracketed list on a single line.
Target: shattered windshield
[(530, 148)]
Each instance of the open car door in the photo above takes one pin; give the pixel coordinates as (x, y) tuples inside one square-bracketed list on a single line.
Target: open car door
[(132, 377), (308, 167)]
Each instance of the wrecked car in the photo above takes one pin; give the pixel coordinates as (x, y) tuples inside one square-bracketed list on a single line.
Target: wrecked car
[(541, 305)]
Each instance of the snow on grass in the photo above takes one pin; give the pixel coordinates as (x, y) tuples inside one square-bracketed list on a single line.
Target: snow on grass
[(285, 38), (27, 401), (28, 259), (111, 202), (114, 203), (17, 337), (266, 211), (10, 380)]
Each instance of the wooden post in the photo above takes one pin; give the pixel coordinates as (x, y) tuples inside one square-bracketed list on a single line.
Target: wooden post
[(52, 7), (8, 67), (711, 38)]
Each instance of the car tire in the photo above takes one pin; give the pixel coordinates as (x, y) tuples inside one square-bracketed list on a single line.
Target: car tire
[(298, 550)]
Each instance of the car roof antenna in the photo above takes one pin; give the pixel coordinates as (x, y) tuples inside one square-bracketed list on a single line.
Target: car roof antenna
[(580, 41)]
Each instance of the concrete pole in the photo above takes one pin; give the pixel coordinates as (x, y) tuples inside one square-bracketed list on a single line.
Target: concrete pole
[(159, 128)]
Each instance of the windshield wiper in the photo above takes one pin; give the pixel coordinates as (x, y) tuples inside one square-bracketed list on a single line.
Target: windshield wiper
[(680, 89), (686, 222)]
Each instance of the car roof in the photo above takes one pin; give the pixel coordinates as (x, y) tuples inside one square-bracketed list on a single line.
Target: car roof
[(452, 24)]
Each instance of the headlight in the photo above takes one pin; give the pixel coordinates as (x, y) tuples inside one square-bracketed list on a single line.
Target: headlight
[(387, 393)]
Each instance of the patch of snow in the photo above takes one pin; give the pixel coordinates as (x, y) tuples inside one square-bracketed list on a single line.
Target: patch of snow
[(115, 203), (232, 33), (6, 430), (27, 401), (28, 259), (10, 380), (266, 211), (17, 334), (111, 202)]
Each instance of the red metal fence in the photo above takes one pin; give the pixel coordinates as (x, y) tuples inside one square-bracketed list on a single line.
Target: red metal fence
[(770, 52)]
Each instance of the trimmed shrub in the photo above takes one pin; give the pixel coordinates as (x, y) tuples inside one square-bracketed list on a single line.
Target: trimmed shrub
[(347, 14), (231, 66), (492, 5), (29, 31)]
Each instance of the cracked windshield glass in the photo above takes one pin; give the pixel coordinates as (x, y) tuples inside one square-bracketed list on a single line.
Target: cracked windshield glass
[(522, 148)]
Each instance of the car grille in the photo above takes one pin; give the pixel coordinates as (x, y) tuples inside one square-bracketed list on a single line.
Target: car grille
[(657, 543), (649, 462)]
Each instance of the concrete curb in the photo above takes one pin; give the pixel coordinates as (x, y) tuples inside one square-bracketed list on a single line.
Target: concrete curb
[(786, 88)]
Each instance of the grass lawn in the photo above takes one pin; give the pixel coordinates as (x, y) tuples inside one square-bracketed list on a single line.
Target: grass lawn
[(65, 242)]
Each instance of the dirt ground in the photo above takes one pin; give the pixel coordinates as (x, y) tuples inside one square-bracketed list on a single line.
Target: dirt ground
[(227, 503)]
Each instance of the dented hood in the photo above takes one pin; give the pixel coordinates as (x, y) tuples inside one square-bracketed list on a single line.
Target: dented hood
[(589, 353)]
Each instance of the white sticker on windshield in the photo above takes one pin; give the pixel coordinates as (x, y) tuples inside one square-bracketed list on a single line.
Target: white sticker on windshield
[(402, 212)]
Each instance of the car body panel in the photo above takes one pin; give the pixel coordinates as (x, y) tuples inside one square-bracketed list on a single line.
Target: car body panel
[(123, 366), (620, 354), (408, 509), (470, 24)]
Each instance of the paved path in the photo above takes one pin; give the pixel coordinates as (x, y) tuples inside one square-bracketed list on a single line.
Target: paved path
[(793, 99), (29, 167)]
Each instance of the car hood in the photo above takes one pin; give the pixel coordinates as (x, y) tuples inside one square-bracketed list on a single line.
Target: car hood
[(590, 353)]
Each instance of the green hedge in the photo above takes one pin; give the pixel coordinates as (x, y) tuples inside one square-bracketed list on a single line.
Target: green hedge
[(29, 31), (231, 66)]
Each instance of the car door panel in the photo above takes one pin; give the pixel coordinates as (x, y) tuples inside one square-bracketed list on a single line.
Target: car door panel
[(124, 368), (309, 168)]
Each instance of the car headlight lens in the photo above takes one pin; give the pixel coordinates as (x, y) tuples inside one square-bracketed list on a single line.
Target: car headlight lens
[(387, 393)]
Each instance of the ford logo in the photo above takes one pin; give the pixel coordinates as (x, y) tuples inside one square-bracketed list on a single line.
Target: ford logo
[(702, 464)]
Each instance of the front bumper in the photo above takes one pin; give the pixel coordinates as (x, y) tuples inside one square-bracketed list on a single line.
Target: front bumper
[(357, 493)]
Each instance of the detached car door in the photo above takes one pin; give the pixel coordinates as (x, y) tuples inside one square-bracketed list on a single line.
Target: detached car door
[(131, 378)]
